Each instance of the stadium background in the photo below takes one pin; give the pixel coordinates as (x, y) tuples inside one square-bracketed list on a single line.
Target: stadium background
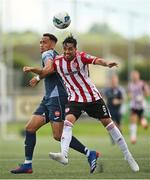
[(118, 31)]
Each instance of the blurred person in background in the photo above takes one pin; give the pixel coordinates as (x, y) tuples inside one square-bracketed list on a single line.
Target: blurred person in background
[(114, 95), (137, 90), (51, 109)]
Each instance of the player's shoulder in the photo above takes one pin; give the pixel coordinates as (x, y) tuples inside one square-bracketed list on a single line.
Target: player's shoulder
[(48, 53), (59, 57), (81, 53), (142, 82), (106, 90), (121, 89), (85, 55)]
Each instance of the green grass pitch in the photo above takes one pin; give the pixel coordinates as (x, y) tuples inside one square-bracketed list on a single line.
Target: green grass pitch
[(111, 165)]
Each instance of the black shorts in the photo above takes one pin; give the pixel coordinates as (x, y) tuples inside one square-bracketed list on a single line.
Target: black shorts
[(96, 109), (138, 112)]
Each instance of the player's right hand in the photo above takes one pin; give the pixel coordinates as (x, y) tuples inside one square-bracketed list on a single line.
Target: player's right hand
[(33, 82), (27, 69)]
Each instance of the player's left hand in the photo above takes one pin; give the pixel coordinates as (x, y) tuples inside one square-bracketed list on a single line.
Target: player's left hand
[(33, 82), (27, 69), (112, 64), (116, 101)]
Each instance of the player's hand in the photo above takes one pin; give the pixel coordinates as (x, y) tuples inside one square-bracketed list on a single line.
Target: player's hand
[(27, 69), (33, 82), (112, 64), (116, 101)]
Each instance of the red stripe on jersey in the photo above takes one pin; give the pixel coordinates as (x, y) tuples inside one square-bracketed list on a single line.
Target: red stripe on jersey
[(98, 93), (76, 83), (72, 88), (86, 84)]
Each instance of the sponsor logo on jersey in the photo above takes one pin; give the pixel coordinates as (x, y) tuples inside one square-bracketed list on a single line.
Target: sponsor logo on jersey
[(67, 110), (55, 118), (88, 56), (71, 73), (74, 64)]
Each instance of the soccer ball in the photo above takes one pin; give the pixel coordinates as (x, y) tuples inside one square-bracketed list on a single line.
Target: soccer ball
[(61, 20)]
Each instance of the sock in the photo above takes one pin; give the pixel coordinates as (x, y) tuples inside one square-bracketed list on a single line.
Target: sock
[(86, 152), (118, 138), (30, 141), (133, 130), (78, 146), (27, 161), (66, 137)]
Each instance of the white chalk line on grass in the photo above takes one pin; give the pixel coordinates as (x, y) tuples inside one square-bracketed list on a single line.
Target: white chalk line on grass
[(77, 159)]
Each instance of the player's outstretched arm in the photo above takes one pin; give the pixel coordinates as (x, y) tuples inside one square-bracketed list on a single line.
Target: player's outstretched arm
[(102, 62), (48, 69), (35, 70), (34, 81), (42, 72), (146, 90)]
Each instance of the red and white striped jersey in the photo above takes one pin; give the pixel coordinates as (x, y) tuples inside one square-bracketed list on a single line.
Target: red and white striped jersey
[(137, 94), (75, 76)]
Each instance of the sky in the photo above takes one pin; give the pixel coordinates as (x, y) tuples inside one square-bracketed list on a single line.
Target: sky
[(128, 17)]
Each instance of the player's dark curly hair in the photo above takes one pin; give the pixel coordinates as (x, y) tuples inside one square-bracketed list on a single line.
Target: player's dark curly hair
[(70, 39), (51, 37)]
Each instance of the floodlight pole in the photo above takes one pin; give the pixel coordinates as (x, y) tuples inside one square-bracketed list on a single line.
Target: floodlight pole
[(3, 85), (75, 15), (9, 48), (131, 45)]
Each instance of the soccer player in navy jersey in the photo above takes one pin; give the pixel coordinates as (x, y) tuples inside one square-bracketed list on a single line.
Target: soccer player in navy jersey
[(72, 66), (137, 90), (115, 96), (51, 109)]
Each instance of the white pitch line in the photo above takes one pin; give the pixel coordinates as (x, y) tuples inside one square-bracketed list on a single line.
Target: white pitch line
[(77, 159)]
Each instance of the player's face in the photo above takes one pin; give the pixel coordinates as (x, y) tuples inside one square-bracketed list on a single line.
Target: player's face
[(135, 76), (69, 51), (114, 81), (45, 44)]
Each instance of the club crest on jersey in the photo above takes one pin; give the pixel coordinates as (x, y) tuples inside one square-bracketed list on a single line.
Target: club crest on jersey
[(88, 56), (74, 64), (67, 110), (57, 113)]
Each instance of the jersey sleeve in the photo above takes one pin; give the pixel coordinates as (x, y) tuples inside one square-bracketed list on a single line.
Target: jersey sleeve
[(47, 56), (122, 93), (54, 64), (104, 91), (87, 58)]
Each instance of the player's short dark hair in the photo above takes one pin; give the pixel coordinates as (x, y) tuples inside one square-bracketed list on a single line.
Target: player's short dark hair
[(51, 37), (70, 39)]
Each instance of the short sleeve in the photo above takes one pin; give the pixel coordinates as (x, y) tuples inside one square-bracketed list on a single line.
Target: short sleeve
[(47, 55), (87, 58)]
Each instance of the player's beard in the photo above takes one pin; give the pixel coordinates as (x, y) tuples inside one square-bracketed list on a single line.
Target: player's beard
[(69, 57)]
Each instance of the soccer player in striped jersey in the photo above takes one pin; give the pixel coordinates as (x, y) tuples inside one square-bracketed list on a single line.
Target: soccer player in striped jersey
[(72, 66), (51, 109), (137, 90)]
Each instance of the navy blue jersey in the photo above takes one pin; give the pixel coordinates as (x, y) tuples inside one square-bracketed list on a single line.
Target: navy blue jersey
[(54, 85), (111, 94)]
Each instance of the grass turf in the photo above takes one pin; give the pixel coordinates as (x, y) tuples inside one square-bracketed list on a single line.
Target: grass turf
[(111, 165)]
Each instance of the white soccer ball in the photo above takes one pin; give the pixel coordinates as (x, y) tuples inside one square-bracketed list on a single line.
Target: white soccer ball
[(61, 20)]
